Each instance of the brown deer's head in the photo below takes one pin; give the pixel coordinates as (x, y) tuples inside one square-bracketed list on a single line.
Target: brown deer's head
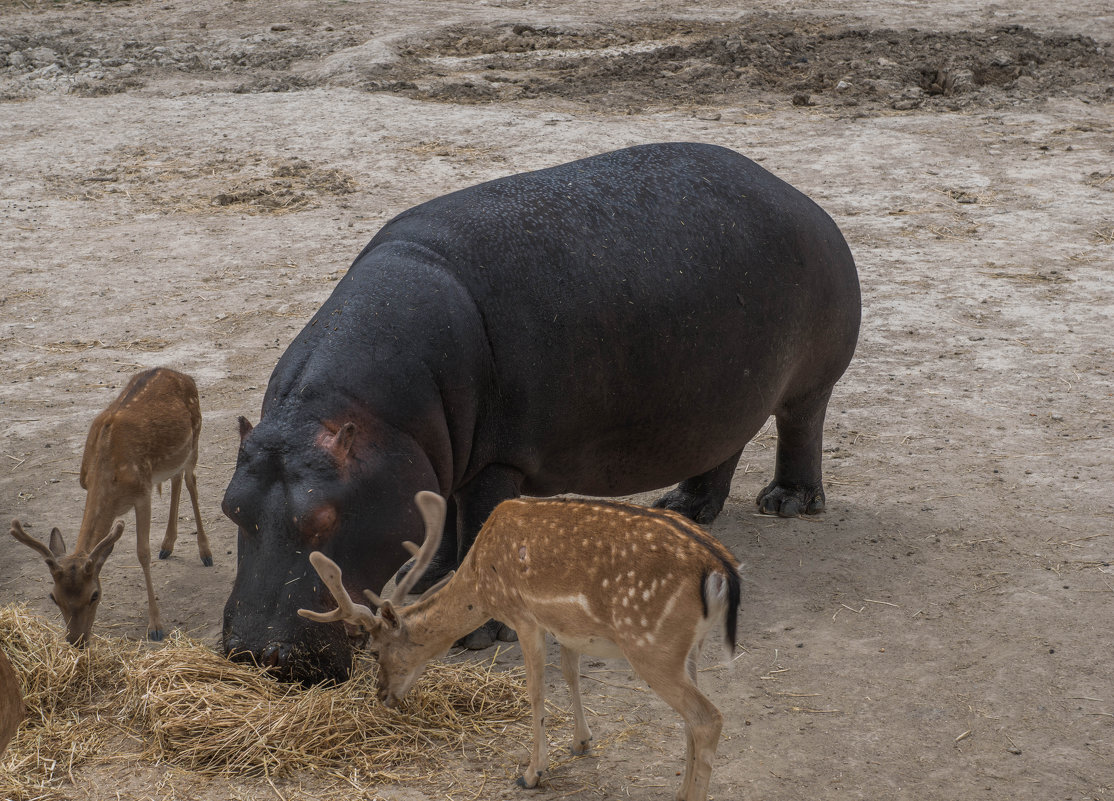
[(77, 578), (401, 661)]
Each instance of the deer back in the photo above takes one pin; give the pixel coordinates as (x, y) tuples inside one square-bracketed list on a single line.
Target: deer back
[(592, 569), (145, 436)]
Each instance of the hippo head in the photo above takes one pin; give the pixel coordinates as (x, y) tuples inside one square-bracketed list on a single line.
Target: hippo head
[(336, 487)]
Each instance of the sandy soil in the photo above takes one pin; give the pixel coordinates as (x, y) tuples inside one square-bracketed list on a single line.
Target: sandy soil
[(183, 183)]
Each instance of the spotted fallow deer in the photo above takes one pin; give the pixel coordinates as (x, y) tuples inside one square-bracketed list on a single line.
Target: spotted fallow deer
[(147, 435), (11, 702), (606, 579)]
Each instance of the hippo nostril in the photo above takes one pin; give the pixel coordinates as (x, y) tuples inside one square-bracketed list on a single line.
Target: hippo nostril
[(269, 656), (275, 655)]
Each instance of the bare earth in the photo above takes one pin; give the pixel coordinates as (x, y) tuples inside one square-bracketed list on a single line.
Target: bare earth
[(183, 183)]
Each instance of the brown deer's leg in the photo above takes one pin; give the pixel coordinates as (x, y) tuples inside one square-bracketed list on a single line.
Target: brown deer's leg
[(532, 641), (171, 537), (143, 550), (202, 540), (703, 722), (570, 667)]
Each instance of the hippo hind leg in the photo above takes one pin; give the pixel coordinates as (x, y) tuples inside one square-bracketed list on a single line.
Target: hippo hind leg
[(797, 487), (701, 497)]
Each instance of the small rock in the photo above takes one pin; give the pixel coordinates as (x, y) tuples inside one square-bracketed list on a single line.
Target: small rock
[(42, 56), (17, 59), (802, 99), (843, 86), (278, 27)]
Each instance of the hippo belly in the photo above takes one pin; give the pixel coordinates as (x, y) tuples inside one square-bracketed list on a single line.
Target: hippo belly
[(608, 326)]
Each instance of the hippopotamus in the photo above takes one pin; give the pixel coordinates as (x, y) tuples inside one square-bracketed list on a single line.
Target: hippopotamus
[(605, 327)]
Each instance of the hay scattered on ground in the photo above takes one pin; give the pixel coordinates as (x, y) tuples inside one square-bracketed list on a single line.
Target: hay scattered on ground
[(184, 705)]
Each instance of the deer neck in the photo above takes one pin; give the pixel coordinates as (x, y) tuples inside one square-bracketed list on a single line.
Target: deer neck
[(439, 620)]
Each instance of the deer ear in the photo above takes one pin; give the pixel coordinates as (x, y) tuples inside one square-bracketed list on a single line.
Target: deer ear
[(389, 616), (245, 428), (57, 544), (104, 548)]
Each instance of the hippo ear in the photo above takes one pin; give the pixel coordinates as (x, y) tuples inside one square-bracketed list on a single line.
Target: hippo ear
[(245, 428), (340, 443)]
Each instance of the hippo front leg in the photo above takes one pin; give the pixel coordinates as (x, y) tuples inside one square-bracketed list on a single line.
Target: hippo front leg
[(797, 487), (475, 502)]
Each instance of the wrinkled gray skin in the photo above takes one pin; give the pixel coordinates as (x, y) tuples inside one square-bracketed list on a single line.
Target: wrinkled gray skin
[(604, 327)]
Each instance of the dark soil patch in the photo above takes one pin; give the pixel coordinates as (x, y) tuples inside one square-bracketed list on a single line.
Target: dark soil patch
[(673, 63)]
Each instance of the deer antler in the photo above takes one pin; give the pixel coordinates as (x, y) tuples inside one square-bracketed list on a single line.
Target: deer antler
[(432, 507), (18, 532), (349, 612)]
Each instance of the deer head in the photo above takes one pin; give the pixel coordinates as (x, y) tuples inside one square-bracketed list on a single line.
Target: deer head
[(401, 661), (77, 578)]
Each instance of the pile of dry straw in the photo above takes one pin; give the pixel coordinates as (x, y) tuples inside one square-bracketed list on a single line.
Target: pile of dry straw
[(184, 705)]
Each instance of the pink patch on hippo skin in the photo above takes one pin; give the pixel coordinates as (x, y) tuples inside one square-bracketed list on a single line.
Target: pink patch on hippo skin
[(319, 524)]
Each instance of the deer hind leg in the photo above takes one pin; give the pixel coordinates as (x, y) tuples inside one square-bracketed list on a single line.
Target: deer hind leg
[(143, 551), (570, 667), (703, 722), (171, 537), (202, 541), (532, 641)]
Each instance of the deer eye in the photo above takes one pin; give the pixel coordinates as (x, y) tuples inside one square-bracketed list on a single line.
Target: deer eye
[(96, 596), (54, 599)]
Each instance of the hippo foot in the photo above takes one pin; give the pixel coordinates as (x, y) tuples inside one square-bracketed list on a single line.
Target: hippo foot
[(486, 635), (784, 501), (700, 508), (165, 554), (437, 570), (154, 635)]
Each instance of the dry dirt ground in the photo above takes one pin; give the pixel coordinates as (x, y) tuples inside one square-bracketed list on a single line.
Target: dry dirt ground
[(182, 183)]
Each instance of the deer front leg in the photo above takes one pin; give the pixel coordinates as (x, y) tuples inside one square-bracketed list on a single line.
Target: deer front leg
[(570, 667), (143, 551), (171, 537), (532, 641), (202, 541)]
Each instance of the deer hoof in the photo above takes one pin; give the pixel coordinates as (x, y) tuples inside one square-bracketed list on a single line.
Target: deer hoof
[(165, 554), (582, 748), (207, 561), (154, 635), (521, 782)]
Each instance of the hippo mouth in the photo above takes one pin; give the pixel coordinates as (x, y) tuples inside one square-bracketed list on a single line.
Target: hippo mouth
[(306, 663)]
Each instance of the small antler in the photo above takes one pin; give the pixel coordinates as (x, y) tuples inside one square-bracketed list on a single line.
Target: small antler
[(432, 507), (349, 612), (18, 532)]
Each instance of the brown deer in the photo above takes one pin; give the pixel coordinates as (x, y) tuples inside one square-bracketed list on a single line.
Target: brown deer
[(11, 702), (606, 579), (147, 435)]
